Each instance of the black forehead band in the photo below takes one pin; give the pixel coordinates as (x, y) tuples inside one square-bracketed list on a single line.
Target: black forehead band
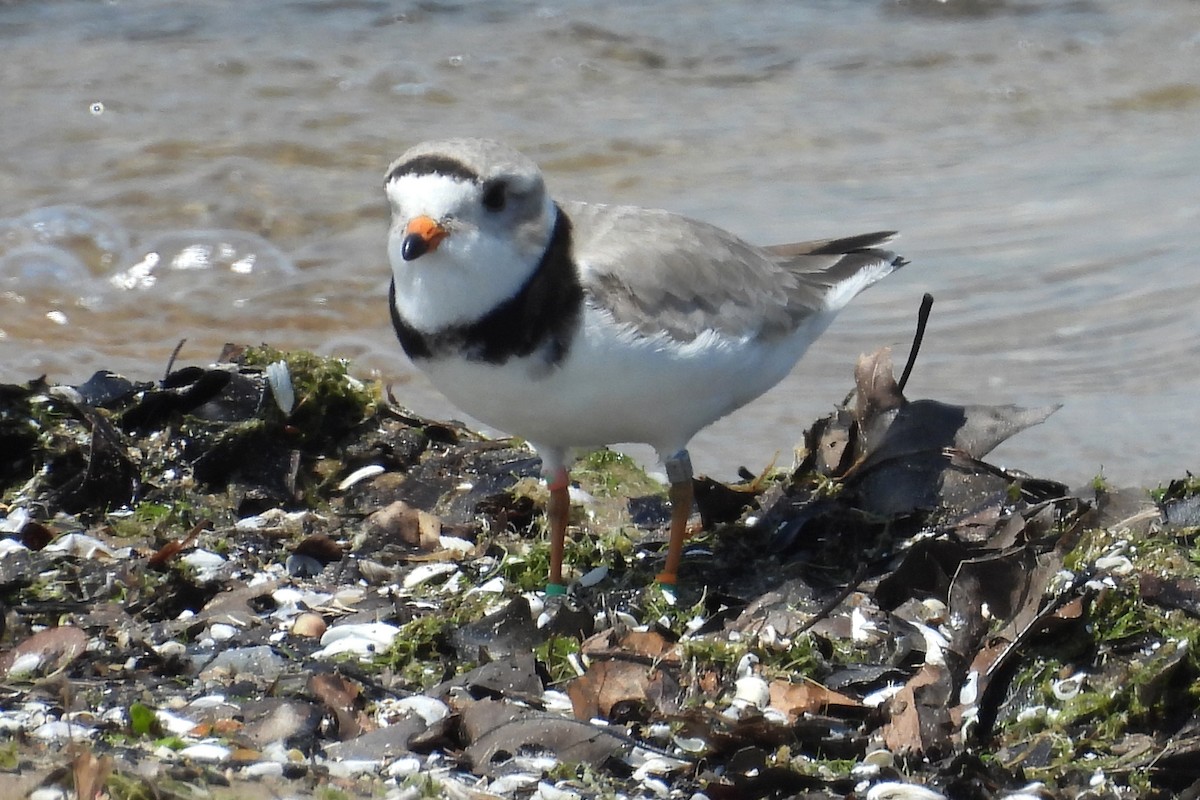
[(434, 165)]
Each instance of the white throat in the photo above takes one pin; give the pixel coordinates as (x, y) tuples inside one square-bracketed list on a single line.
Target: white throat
[(474, 269)]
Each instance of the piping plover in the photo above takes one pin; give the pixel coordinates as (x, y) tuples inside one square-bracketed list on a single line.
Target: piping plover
[(574, 325)]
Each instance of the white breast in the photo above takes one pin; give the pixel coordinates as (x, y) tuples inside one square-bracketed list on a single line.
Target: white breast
[(615, 386)]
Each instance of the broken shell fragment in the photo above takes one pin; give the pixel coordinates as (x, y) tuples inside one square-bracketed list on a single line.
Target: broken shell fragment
[(752, 692)]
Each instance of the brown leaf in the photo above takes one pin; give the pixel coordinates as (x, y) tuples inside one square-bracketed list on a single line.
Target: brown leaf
[(567, 740), (320, 547), (410, 525), (616, 683), (876, 388), (806, 697), (90, 773), (1180, 593), (342, 697), (920, 722), (647, 645)]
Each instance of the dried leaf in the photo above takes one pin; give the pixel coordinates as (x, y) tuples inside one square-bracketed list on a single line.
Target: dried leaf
[(618, 688), (410, 525), (920, 723), (566, 740), (806, 697), (90, 773), (342, 697)]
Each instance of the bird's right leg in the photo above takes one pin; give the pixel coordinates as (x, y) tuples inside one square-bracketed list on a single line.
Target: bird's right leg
[(558, 512)]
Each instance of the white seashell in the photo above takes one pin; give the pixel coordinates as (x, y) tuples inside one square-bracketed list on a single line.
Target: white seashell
[(172, 649), (173, 723), (580, 497), (657, 765), (403, 767), (1030, 791), (427, 708), (554, 700), (746, 665), (881, 757), (25, 665), (81, 545), (287, 596), (456, 545), (363, 639), (902, 791), (254, 523), (509, 785), (881, 696), (353, 767), (206, 751), (48, 793), (546, 791), (1116, 564), (693, 745), (497, 585), (935, 645), (381, 633), (13, 522), (427, 572), (774, 715), (933, 611), (539, 763), (969, 692), (657, 787), (753, 691), (280, 381), (220, 632), (863, 628), (263, 769), (11, 546), (593, 577), (658, 732), (1068, 688), (349, 597), (206, 564), (359, 475)]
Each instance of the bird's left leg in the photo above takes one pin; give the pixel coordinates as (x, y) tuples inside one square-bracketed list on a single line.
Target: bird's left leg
[(679, 475), (558, 512)]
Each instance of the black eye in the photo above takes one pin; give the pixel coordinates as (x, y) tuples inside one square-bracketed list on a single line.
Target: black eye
[(495, 196)]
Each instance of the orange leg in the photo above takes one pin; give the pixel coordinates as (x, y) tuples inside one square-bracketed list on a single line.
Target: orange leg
[(679, 473), (558, 511)]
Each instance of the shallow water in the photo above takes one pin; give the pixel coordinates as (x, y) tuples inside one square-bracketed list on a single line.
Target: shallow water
[(212, 171)]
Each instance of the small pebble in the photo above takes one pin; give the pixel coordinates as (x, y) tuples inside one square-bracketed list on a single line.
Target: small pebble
[(309, 625)]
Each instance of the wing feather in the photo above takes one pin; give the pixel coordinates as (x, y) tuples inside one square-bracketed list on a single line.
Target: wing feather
[(663, 273)]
